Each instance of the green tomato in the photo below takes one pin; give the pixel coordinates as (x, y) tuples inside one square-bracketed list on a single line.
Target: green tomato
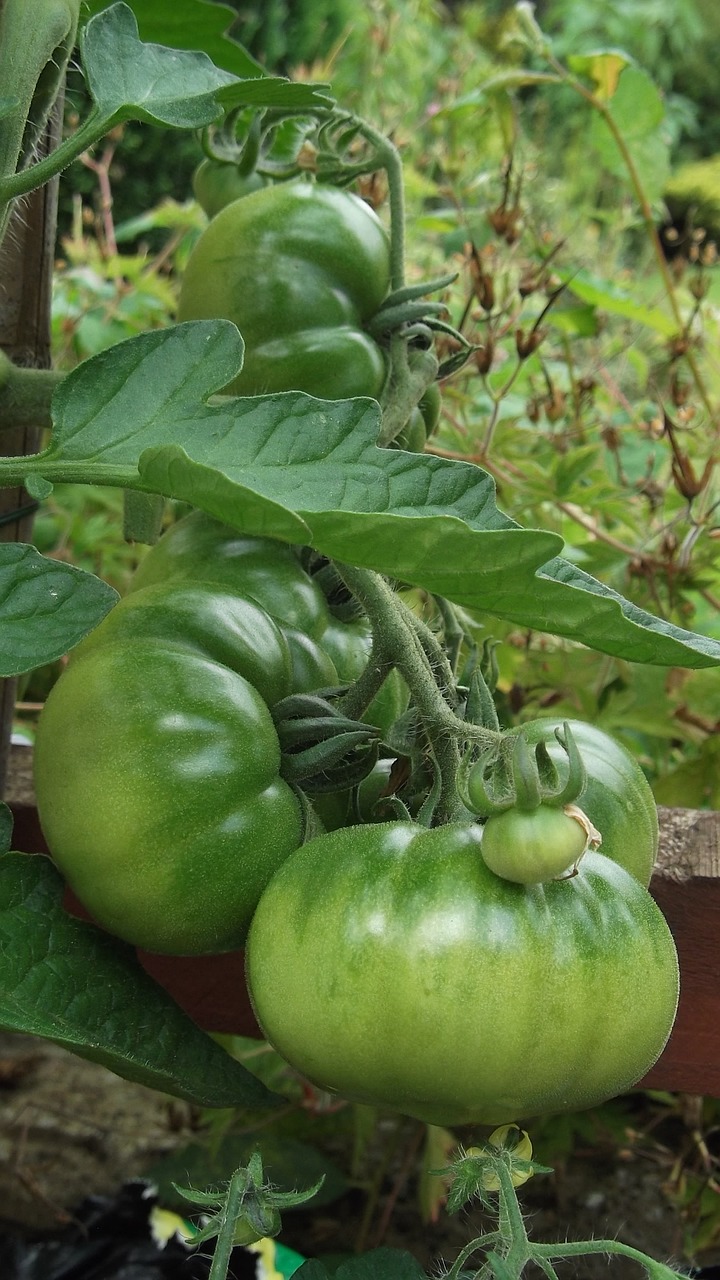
[(616, 798), (216, 184), (210, 620), (388, 964), (530, 846), (312, 668), (200, 548), (158, 790), (299, 268)]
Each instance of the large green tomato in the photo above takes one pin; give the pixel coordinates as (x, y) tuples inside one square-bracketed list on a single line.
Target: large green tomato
[(324, 651), (300, 268), (616, 798), (388, 964), (210, 620), (157, 769), (199, 548)]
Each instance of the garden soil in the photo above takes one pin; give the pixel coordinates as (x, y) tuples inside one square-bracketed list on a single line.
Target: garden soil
[(70, 1129)]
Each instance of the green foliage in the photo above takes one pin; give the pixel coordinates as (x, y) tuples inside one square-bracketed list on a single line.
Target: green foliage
[(286, 33), (71, 983)]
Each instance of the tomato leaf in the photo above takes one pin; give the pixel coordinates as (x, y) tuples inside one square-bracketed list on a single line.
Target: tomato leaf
[(129, 79), (304, 470), (46, 607), (190, 24), (69, 982)]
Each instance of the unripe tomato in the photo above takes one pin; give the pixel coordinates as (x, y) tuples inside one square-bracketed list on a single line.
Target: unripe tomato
[(157, 769), (300, 268), (216, 184), (386, 963), (199, 548), (530, 846)]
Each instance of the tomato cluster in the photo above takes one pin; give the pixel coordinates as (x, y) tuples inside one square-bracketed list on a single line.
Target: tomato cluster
[(457, 972), (386, 961)]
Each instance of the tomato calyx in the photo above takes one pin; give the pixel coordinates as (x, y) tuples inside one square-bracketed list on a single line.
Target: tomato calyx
[(321, 748), (525, 780)]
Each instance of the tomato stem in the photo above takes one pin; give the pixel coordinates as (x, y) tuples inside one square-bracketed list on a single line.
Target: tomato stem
[(404, 641)]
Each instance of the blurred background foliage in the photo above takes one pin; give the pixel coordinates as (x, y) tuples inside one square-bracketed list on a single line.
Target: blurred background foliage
[(593, 394)]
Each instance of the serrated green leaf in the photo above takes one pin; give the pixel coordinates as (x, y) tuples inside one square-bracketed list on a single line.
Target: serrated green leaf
[(71, 983), (190, 24), (132, 80), (46, 607), (305, 470)]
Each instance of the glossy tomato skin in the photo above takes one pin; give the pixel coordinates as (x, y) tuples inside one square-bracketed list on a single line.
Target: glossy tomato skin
[(388, 964), (158, 789), (617, 797), (325, 652), (208, 619), (200, 548), (216, 185), (299, 268)]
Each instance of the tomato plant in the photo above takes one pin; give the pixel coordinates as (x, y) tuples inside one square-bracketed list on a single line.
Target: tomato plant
[(386, 960), (388, 964), (300, 269)]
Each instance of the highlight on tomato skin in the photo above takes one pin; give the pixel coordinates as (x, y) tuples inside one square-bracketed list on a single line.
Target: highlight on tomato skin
[(389, 965)]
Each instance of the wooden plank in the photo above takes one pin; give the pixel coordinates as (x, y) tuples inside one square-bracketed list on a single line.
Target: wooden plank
[(686, 885)]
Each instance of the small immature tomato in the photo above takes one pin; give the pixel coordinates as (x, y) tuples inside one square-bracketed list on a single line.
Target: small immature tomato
[(530, 846)]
